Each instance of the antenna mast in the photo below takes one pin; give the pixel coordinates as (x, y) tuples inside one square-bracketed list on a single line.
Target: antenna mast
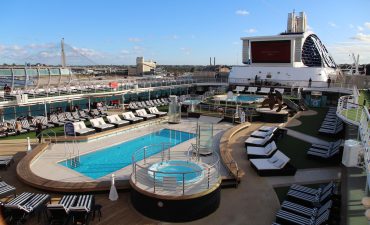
[(63, 54)]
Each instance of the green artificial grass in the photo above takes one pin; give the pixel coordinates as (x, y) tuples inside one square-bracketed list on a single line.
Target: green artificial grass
[(311, 124), (364, 95), (59, 131), (296, 150), (353, 114)]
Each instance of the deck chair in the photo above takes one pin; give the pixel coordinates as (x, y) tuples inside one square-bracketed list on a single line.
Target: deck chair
[(264, 90), (12, 126), (84, 115), (26, 125), (81, 129), (6, 189), (5, 161), (142, 113), (77, 117), (55, 121), (44, 121), (285, 217), (69, 117), (312, 191), (129, 116), (155, 111), (277, 165), (82, 211), (61, 118), (251, 90), (304, 210), (308, 199), (59, 213), (258, 142), (100, 125), (117, 121), (261, 152)]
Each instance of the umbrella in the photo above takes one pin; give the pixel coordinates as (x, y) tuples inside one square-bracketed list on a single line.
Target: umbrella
[(113, 195)]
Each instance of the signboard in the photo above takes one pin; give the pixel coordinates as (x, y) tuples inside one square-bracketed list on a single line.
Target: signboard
[(69, 129)]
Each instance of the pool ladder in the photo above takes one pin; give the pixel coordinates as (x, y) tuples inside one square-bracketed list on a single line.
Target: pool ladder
[(74, 161)]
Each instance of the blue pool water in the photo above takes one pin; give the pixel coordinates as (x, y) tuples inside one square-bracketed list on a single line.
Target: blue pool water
[(245, 98), (103, 162), (191, 102), (188, 171)]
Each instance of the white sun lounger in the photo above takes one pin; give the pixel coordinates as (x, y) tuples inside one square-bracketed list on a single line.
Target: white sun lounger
[(142, 113), (251, 90), (100, 125), (81, 129), (131, 117), (117, 121), (273, 166), (155, 111), (264, 90)]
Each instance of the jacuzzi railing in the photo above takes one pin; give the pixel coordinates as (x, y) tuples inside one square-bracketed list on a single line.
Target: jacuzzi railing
[(204, 176)]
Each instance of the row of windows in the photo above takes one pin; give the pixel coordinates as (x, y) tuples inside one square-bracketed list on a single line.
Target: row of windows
[(34, 72)]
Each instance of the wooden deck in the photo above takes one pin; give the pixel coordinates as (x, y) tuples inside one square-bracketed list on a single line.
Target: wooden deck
[(26, 175), (225, 150)]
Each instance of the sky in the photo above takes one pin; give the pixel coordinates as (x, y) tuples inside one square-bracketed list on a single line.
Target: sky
[(170, 31)]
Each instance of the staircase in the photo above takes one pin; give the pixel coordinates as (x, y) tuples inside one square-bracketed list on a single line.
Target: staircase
[(291, 104), (229, 182)]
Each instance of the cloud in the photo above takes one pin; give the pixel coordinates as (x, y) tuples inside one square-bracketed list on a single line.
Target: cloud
[(251, 31), (241, 12), (351, 26), (359, 28), (309, 28), (134, 39), (186, 50), (333, 24), (362, 37), (367, 25), (341, 51)]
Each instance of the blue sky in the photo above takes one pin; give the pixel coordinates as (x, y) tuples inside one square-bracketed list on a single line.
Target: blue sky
[(171, 31)]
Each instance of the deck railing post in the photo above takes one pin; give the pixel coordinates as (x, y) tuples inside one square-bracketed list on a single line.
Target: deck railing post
[(135, 173), (208, 176), (183, 184), (145, 155), (154, 183)]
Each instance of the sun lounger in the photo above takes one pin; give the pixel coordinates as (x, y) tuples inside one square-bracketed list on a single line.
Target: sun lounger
[(261, 152), (26, 125), (239, 89), (82, 211), (251, 90), (61, 118), (308, 199), (69, 117), (304, 210), (81, 129), (12, 127), (44, 121), (55, 121), (285, 217), (155, 111), (84, 115), (259, 142), (277, 165), (100, 125), (117, 121), (281, 90), (76, 116), (142, 113), (59, 213), (6, 190), (264, 90), (131, 117), (313, 191)]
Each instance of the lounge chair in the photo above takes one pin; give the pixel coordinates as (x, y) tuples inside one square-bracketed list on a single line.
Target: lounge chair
[(61, 118), (6, 190), (149, 103), (76, 116), (239, 89), (13, 124), (55, 121), (312, 191), (82, 211), (117, 121), (281, 90), (132, 105), (100, 125), (304, 210), (131, 117), (84, 115), (142, 113), (261, 152), (5, 161), (264, 90), (155, 111), (285, 217), (308, 199), (69, 117), (26, 125), (157, 102), (251, 90), (277, 165), (95, 113), (59, 213), (44, 121), (81, 129), (23, 205), (258, 142)]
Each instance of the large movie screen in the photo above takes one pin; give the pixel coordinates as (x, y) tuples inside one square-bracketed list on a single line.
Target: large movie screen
[(270, 51)]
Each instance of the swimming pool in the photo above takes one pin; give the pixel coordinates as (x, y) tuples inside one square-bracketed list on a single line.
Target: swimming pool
[(191, 102), (181, 170), (105, 161), (240, 98)]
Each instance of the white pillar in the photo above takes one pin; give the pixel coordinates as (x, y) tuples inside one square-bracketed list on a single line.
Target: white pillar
[(28, 144)]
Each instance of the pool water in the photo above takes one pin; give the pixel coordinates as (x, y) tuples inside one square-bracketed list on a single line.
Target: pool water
[(105, 161), (246, 98), (191, 102), (181, 170)]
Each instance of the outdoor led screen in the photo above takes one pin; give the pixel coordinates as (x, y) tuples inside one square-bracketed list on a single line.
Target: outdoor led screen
[(270, 51)]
